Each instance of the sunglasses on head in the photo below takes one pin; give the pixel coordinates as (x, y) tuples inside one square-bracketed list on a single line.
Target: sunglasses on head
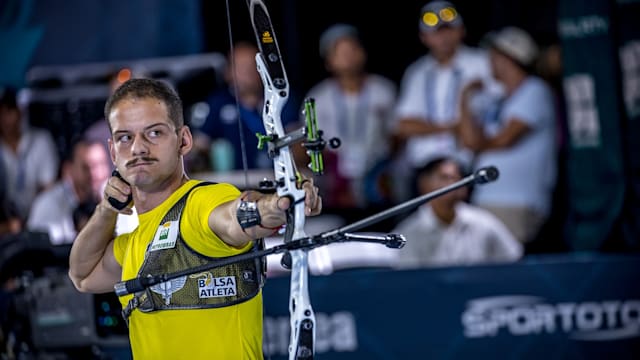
[(445, 15)]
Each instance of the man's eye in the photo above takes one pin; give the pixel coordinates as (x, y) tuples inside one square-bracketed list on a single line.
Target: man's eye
[(155, 133), (124, 138)]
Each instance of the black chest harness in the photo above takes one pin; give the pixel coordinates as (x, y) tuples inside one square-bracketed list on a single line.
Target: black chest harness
[(214, 288)]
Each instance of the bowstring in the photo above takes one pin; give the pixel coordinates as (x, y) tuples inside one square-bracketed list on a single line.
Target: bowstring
[(243, 149)]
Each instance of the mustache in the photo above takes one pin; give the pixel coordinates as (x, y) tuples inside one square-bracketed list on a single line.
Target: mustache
[(139, 160)]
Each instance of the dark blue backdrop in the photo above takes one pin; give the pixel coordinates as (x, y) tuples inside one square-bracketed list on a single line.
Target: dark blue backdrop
[(552, 307)]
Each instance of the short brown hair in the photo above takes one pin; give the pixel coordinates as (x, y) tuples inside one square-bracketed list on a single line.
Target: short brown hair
[(140, 88)]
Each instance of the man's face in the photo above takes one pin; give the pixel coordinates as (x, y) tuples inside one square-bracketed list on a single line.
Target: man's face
[(498, 63), (444, 41), (9, 120), (89, 170), (445, 174), (346, 57), (247, 79), (97, 161), (145, 146)]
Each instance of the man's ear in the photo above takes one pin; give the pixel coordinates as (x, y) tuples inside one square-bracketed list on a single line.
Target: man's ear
[(186, 140)]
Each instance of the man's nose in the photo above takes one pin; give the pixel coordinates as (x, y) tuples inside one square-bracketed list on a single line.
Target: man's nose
[(139, 145)]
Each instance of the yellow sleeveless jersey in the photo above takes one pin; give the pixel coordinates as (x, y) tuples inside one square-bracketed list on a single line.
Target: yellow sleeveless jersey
[(233, 332)]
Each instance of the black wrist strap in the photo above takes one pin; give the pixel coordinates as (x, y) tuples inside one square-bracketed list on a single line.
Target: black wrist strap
[(248, 214)]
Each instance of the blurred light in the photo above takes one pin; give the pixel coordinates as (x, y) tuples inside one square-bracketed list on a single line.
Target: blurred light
[(430, 19), (105, 306), (124, 75), (108, 321), (448, 14)]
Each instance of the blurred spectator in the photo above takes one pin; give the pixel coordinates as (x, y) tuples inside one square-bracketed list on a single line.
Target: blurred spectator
[(515, 133), (82, 213), (449, 231), (354, 106), (99, 131), (84, 174), (9, 221), (428, 106), (220, 132), (28, 154), (549, 67)]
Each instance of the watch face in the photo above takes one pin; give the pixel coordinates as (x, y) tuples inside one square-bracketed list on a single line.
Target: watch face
[(248, 206), (248, 214)]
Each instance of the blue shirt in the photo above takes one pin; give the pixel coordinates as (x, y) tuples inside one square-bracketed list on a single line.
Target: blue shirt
[(528, 167), (222, 122)]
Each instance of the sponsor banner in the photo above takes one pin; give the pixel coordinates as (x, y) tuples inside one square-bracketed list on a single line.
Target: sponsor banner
[(594, 118), (551, 307)]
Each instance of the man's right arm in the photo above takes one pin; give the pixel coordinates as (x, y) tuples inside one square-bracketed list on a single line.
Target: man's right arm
[(92, 264)]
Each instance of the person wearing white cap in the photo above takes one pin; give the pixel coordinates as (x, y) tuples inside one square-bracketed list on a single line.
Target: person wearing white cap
[(516, 134), (427, 113), (355, 106)]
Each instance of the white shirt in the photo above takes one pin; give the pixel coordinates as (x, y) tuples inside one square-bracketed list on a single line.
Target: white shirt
[(528, 168), (431, 92), (475, 236), (35, 164), (124, 223), (52, 212)]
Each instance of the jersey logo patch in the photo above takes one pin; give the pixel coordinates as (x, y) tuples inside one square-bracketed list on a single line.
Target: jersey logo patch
[(165, 237), (167, 288), (210, 287)]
